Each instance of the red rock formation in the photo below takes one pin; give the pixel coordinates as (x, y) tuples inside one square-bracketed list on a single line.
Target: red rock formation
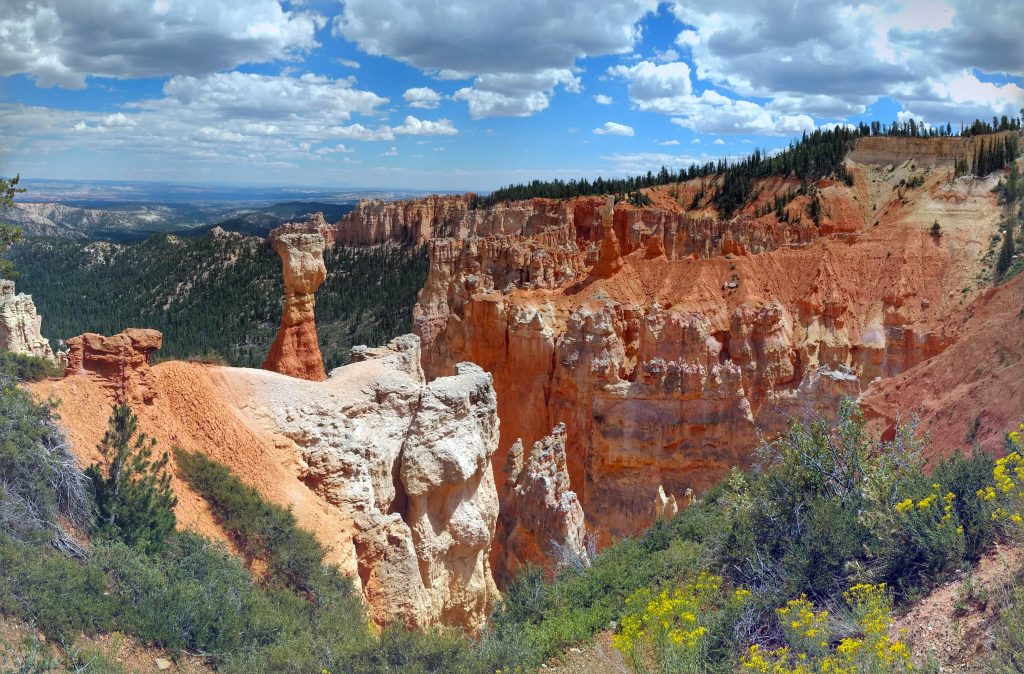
[(666, 370), (296, 351), (120, 361)]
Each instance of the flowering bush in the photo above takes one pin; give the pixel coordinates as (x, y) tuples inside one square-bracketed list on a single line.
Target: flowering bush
[(810, 650), (1005, 496), (671, 631)]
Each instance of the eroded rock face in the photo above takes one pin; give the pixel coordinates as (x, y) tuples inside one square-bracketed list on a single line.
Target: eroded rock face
[(296, 351), (409, 462), (541, 520), (121, 361), (668, 358), (20, 325)]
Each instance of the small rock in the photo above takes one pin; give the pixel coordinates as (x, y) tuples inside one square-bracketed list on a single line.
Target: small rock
[(162, 665)]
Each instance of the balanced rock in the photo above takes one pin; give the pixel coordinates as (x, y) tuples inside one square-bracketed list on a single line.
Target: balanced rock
[(296, 351)]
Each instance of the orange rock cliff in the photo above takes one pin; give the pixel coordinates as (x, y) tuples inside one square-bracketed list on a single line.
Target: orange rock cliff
[(666, 338)]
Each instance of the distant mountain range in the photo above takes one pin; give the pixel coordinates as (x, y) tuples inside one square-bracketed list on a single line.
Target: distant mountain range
[(131, 211)]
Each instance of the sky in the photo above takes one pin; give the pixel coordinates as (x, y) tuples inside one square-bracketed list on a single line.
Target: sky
[(473, 94)]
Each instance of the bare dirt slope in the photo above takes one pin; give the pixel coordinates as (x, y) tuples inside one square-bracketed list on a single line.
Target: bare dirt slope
[(191, 412), (973, 392)]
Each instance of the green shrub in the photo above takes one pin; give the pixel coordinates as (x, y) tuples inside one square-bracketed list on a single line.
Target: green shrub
[(61, 596), (134, 499), (261, 530), (43, 494), (26, 368)]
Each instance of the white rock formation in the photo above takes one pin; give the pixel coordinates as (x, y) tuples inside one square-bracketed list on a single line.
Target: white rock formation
[(20, 324), (409, 462)]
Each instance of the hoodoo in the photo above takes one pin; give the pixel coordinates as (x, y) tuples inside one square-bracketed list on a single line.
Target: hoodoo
[(296, 351)]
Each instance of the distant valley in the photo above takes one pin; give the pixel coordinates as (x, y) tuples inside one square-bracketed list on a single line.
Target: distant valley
[(126, 212)]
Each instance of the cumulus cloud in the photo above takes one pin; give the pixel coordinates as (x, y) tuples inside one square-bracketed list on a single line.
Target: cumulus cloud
[(62, 42), (391, 152), (833, 60), (614, 129), (670, 142), (225, 117), (602, 99), (667, 88), (422, 97), (420, 127), (515, 53)]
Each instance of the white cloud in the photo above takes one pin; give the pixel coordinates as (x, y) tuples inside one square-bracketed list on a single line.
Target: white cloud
[(695, 141), (669, 142), (639, 162), (266, 97), (225, 118), (392, 152), (515, 94), (835, 59), (422, 97), (668, 89), (666, 56), (516, 53), (650, 82), (614, 129), (602, 99), (61, 42), (718, 141), (421, 127), (348, 63)]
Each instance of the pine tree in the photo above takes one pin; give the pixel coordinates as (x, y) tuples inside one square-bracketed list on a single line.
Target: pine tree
[(1006, 252), (8, 235), (134, 499)]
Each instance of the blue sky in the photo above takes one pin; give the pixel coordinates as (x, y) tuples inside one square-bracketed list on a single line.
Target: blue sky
[(471, 94)]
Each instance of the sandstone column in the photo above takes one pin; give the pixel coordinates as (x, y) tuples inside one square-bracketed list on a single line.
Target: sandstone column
[(295, 351)]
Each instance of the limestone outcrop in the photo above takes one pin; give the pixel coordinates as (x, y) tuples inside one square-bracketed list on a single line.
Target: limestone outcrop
[(120, 361), (409, 463), (541, 519), (296, 350), (20, 325)]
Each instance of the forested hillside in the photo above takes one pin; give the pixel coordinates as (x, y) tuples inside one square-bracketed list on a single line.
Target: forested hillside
[(216, 295)]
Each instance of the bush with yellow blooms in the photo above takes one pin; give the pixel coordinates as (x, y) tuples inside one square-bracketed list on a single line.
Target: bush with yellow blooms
[(812, 649), (673, 631)]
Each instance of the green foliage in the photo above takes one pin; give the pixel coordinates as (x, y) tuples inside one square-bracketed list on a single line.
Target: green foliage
[(26, 368), (1009, 633), (134, 499), (995, 154), (8, 235), (217, 294), (43, 494), (261, 530)]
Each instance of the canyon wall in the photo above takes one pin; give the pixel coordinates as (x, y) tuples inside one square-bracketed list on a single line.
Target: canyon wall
[(668, 341)]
